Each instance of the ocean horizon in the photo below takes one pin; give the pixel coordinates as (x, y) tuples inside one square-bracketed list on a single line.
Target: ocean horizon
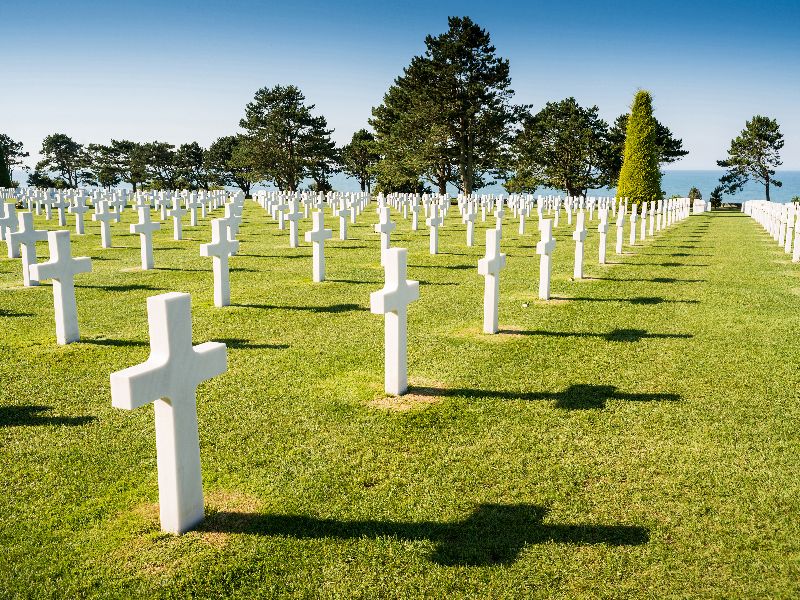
[(674, 181)]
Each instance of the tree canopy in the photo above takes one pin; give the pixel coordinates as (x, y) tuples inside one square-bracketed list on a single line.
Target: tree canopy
[(753, 154), (359, 158), (11, 155)]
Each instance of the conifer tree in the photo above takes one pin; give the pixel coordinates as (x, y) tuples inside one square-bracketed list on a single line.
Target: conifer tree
[(640, 177)]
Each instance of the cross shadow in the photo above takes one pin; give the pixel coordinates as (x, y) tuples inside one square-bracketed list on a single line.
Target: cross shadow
[(454, 267), (494, 534), (187, 270), (616, 335), (114, 343), (240, 344), (12, 313), (336, 308), (580, 396), (641, 300), (17, 416), (122, 288), (353, 281)]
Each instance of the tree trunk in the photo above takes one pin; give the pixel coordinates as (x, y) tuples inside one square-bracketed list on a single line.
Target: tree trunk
[(766, 186)]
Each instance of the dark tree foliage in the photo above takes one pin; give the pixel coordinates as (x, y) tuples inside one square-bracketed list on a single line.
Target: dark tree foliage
[(753, 154), (103, 164), (670, 148), (323, 156), (11, 155), (448, 117), (64, 158), (563, 146), (163, 171), (359, 158), (226, 164), (284, 141), (191, 166)]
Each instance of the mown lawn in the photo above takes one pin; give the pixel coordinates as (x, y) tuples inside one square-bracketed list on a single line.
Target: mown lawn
[(636, 436)]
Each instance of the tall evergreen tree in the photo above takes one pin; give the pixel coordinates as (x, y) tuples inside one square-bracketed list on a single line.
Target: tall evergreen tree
[(282, 136), (640, 177), (448, 117), (753, 154)]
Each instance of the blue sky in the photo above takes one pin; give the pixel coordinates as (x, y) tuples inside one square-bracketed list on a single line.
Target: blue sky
[(183, 71)]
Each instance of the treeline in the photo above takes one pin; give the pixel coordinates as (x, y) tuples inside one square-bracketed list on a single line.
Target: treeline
[(448, 119)]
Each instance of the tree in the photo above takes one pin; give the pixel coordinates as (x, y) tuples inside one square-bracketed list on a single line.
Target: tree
[(753, 154), (282, 136), (359, 157), (670, 148), (66, 158), (103, 164), (323, 157), (191, 167), (694, 194), (162, 167), (563, 146), (11, 155), (640, 177), (227, 166), (716, 197), (448, 118), (130, 159)]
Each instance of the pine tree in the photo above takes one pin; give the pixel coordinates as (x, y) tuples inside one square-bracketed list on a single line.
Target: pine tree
[(640, 177)]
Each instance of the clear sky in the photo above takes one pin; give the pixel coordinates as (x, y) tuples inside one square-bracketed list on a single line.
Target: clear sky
[(183, 71)]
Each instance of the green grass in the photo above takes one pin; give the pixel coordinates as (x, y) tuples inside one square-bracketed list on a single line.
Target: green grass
[(637, 437)]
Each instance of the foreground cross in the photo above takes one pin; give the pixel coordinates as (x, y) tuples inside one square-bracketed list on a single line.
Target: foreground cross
[(392, 301), (490, 266), (62, 268), (169, 380), (545, 248), (220, 248), (145, 228), (26, 239), (317, 237)]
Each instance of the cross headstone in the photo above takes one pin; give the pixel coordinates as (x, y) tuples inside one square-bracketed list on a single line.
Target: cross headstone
[(620, 230), (469, 218), (9, 224), (317, 237), (343, 213), (579, 235), (169, 379), (104, 216), (545, 248), (602, 229), (392, 301), (294, 217), (145, 228), (489, 266), (62, 268), (434, 221), (220, 249), (385, 227), (26, 238), (177, 225), (61, 205), (78, 208), (634, 216)]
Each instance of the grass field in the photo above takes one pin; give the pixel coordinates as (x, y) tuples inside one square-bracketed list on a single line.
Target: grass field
[(636, 436)]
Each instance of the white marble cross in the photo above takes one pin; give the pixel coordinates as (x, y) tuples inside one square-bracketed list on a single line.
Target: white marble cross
[(9, 224), (220, 249), (177, 225), (105, 216), (620, 229), (545, 248), (392, 302), (26, 238), (192, 204), (343, 213), (634, 216), (145, 228), (317, 237), (643, 231), (78, 208), (490, 266), (434, 221), (602, 229), (61, 205), (469, 218), (62, 268), (415, 210), (579, 235), (385, 227), (499, 214), (169, 379), (294, 217)]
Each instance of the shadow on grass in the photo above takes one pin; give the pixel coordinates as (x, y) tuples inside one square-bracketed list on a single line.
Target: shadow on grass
[(494, 534), (274, 255), (12, 313), (17, 416), (354, 281), (653, 280), (336, 308), (454, 267), (581, 396), (114, 343), (641, 300), (131, 287), (617, 335), (240, 344)]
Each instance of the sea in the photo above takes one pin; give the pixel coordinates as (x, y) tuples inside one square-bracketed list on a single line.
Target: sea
[(674, 182)]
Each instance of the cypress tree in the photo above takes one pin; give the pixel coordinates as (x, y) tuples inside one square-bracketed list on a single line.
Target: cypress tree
[(640, 177)]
